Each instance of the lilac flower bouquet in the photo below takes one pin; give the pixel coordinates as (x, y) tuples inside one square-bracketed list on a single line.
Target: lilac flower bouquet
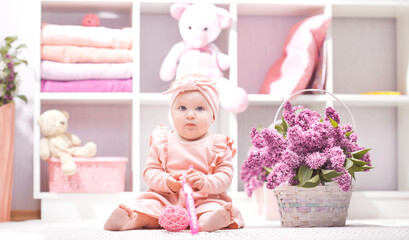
[(9, 78), (304, 150)]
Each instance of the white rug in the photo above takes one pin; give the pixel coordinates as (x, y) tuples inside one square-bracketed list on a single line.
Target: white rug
[(394, 229)]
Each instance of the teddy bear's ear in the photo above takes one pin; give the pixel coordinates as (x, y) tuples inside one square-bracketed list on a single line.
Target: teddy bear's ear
[(65, 114), (224, 17), (177, 9)]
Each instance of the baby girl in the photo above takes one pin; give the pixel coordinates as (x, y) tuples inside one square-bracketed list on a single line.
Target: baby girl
[(193, 109)]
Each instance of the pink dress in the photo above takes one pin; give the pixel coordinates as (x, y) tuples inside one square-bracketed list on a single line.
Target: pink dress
[(211, 155)]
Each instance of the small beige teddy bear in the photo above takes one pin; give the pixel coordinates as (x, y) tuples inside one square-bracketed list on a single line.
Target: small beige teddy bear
[(57, 142)]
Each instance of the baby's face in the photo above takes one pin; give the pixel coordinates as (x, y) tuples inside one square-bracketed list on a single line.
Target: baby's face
[(192, 115)]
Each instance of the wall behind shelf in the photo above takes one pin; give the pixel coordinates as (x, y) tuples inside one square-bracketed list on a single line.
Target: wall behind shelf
[(365, 56), (260, 41)]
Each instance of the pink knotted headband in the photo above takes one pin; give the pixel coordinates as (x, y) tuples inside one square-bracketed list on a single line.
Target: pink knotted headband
[(196, 82)]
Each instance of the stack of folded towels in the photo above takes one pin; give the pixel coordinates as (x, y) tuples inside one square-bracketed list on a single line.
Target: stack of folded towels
[(85, 59)]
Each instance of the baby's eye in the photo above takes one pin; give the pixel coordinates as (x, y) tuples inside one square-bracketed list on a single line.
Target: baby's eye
[(200, 109), (182, 108)]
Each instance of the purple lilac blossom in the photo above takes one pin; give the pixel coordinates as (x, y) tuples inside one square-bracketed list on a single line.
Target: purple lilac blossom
[(344, 181), (331, 113), (252, 185), (315, 160), (336, 158), (256, 138), (309, 141), (281, 174)]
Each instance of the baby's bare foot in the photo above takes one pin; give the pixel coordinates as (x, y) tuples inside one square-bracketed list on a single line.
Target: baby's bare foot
[(122, 218), (212, 221)]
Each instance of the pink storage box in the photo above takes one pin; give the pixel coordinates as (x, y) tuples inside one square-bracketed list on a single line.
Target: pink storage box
[(94, 175)]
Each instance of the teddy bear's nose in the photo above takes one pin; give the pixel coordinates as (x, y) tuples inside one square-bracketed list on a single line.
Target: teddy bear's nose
[(62, 122)]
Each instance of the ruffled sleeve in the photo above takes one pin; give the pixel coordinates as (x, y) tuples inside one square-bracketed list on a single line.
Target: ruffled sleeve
[(221, 168), (155, 172)]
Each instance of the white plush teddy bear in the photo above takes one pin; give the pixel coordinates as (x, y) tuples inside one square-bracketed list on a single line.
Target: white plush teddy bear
[(200, 24), (57, 142)]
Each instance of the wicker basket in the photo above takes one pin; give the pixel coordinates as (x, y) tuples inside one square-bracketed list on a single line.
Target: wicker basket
[(321, 206), (94, 175)]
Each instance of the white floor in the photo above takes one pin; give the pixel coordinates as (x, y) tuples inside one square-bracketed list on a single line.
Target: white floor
[(382, 229)]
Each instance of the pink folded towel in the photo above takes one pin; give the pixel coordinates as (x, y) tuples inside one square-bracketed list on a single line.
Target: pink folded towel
[(106, 85), (84, 71), (77, 54), (86, 36)]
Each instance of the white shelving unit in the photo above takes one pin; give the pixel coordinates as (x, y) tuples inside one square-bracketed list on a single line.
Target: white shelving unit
[(368, 50)]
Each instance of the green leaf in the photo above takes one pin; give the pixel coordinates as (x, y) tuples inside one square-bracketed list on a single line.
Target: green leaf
[(22, 97), (312, 182), (330, 174), (359, 154), (304, 174), (352, 173), (348, 163), (333, 123), (284, 124), (10, 40), (358, 163), (324, 179), (280, 129), (18, 62), (21, 46), (268, 170), (4, 50), (347, 134)]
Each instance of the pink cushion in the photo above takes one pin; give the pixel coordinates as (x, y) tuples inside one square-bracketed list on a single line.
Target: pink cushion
[(294, 68)]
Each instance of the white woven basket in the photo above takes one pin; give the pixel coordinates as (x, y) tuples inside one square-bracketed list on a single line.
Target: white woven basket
[(321, 206)]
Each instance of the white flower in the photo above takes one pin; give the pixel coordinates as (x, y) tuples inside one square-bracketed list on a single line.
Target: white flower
[(3, 66)]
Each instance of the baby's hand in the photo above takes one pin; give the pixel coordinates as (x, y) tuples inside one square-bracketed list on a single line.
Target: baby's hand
[(195, 179), (173, 181)]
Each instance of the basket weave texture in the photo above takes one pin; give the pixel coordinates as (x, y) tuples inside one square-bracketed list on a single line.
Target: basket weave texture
[(321, 206), (94, 175)]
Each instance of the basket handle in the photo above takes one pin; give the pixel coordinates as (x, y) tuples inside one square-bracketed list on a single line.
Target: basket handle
[(314, 90)]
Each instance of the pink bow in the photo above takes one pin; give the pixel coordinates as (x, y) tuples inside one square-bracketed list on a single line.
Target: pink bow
[(190, 85), (199, 83)]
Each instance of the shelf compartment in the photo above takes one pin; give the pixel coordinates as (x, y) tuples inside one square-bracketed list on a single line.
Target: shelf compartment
[(158, 33), (370, 46), (261, 38), (108, 126), (112, 14)]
